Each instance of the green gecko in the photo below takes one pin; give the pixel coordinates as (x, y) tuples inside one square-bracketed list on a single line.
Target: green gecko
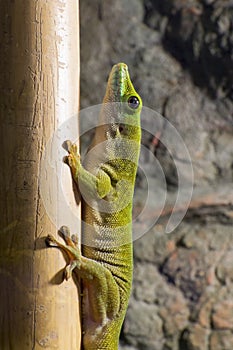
[(106, 182)]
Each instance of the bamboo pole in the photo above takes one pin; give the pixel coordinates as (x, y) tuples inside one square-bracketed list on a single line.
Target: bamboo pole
[(39, 87)]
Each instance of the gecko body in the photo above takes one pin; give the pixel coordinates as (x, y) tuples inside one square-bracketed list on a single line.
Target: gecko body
[(106, 182)]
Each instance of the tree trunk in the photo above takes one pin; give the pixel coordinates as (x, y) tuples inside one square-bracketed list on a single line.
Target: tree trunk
[(38, 92)]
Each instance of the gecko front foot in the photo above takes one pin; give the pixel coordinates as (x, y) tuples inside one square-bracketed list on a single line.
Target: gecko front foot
[(71, 249), (73, 158)]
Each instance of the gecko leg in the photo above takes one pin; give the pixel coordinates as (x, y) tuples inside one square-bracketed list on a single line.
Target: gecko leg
[(98, 280)]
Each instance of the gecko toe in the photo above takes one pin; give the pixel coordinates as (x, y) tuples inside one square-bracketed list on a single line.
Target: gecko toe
[(67, 273), (69, 268), (74, 148), (64, 232), (50, 241), (75, 239), (68, 145), (70, 160)]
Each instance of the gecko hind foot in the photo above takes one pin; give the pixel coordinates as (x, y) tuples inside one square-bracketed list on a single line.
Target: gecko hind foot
[(71, 249)]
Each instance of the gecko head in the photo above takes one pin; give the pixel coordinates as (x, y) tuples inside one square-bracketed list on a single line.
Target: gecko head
[(122, 104)]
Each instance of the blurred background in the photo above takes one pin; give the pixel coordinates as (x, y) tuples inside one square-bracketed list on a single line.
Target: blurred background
[(180, 57)]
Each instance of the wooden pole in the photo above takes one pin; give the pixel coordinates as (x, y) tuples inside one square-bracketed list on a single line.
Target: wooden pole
[(39, 87)]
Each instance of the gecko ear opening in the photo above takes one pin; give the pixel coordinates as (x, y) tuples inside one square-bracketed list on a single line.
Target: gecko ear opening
[(121, 128)]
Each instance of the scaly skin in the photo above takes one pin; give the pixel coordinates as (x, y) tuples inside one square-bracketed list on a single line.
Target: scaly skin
[(106, 182)]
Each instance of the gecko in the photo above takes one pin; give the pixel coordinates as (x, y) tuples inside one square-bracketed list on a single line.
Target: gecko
[(106, 181)]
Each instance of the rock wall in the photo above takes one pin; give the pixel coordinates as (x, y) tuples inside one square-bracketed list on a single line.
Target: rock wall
[(180, 55)]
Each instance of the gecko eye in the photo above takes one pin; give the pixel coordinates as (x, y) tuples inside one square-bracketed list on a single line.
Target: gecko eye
[(133, 102)]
